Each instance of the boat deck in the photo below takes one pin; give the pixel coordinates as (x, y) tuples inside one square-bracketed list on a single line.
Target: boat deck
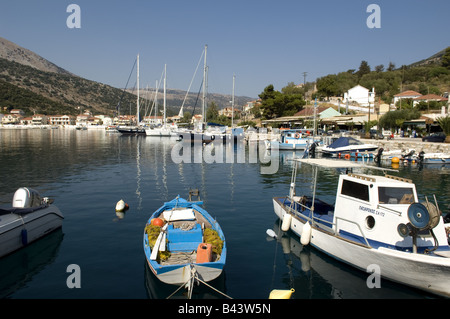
[(180, 258)]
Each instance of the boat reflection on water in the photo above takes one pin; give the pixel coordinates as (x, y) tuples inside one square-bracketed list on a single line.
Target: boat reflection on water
[(315, 275), (156, 289), (18, 268)]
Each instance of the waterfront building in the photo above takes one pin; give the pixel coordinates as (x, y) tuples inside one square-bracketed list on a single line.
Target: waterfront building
[(39, 119), (61, 120)]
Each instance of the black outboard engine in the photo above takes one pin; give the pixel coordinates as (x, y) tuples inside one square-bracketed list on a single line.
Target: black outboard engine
[(409, 155), (378, 155), (420, 156)]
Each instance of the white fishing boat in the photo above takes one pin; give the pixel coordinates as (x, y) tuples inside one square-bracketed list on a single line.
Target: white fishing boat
[(346, 145), (375, 221), (29, 218)]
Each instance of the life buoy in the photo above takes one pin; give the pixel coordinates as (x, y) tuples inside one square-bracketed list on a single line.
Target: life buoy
[(297, 136)]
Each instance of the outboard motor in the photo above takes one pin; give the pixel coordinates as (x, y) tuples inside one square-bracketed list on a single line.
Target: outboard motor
[(409, 155), (26, 197), (313, 149), (420, 156), (379, 153)]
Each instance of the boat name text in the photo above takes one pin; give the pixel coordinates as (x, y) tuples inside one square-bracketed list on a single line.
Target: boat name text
[(371, 210)]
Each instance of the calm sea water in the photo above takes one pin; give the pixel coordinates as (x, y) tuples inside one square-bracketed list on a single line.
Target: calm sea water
[(87, 172)]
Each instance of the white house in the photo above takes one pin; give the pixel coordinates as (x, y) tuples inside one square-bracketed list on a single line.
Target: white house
[(406, 95), (360, 95)]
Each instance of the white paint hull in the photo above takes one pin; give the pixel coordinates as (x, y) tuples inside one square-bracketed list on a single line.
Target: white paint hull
[(181, 275), (425, 272), (36, 224)]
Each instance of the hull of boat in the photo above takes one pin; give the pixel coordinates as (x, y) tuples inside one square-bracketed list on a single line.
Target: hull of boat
[(180, 275), (348, 150), (18, 231), (430, 273), (286, 146), (159, 132), (436, 159), (131, 131)]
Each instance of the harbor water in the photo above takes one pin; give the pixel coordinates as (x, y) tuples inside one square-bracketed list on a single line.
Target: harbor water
[(87, 172)]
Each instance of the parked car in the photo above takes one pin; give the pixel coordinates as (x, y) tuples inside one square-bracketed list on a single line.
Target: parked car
[(435, 137), (374, 134)]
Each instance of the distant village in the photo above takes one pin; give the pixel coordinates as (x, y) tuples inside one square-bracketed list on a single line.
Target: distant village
[(357, 106), (87, 119)]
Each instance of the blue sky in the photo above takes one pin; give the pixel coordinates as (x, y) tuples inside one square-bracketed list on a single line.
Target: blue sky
[(261, 42)]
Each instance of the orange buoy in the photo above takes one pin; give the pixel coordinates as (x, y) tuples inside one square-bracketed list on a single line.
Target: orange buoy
[(347, 156), (204, 253), (395, 160), (157, 222)]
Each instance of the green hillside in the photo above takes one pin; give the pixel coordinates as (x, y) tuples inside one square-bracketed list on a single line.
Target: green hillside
[(67, 94), (431, 75)]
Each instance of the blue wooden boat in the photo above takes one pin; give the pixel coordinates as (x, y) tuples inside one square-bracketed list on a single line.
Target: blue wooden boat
[(189, 245), (295, 139)]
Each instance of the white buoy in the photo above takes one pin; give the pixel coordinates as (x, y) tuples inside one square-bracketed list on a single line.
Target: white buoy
[(121, 206), (286, 222), (271, 233), (306, 234)]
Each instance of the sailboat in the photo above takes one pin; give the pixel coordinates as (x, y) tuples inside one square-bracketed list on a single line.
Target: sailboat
[(199, 134), (164, 130), (134, 130)]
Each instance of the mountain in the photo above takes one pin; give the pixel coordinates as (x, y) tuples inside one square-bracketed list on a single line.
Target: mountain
[(434, 59), (26, 77), (13, 52)]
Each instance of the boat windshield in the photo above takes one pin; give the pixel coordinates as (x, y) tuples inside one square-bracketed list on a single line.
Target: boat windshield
[(395, 195)]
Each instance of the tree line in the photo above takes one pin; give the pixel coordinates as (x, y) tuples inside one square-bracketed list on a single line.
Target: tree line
[(425, 79)]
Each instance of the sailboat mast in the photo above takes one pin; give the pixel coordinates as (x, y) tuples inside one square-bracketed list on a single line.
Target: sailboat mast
[(137, 103), (232, 102), (165, 79), (204, 87)]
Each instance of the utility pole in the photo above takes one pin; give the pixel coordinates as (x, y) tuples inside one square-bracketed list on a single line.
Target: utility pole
[(304, 78)]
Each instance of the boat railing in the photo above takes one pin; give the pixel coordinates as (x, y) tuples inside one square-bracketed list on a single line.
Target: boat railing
[(389, 210), (320, 222), (352, 222)]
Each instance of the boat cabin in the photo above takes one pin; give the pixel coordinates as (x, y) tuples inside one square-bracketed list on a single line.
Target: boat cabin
[(373, 209)]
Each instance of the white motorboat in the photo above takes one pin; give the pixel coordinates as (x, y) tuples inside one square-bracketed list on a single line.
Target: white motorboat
[(377, 222), (30, 218), (346, 145), (434, 158)]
